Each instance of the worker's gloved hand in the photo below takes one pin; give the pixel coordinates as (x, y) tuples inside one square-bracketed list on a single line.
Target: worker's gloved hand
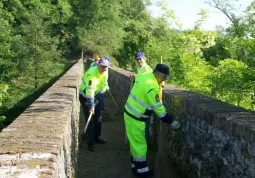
[(98, 96), (100, 92), (165, 104), (175, 125), (162, 84), (108, 88), (167, 119)]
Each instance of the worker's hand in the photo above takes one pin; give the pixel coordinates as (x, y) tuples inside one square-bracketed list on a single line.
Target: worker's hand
[(132, 78), (96, 102), (101, 92), (165, 104), (92, 110), (108, 88), (162, 84), (175, 125)]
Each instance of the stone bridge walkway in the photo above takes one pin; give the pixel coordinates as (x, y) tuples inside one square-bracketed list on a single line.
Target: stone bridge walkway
[(110, 160)]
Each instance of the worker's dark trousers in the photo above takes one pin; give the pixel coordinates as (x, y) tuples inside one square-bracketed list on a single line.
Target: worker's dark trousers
[(101, 98), (94, 127)]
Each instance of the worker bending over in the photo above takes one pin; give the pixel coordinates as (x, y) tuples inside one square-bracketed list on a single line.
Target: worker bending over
[(93, 82), (144, 99)]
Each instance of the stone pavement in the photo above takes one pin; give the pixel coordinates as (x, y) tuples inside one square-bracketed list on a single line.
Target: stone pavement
[(110, 160)]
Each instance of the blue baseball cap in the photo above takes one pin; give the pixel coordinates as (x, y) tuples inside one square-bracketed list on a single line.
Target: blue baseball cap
[(163, 69), (104, 62), (108, 58), (139, 55)]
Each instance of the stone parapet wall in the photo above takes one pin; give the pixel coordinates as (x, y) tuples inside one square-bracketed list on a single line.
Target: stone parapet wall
[(43, 140), (216, 139)]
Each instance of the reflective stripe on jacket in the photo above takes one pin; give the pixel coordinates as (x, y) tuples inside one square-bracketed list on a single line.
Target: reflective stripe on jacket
[(144, 98)]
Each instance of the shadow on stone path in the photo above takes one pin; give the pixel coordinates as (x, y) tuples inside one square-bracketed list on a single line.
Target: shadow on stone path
[(112, 159)]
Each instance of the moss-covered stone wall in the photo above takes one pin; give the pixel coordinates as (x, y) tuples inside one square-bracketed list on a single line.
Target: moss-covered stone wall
[(43, 140)]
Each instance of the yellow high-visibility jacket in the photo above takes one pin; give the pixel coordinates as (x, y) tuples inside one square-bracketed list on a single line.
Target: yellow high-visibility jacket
[(144, 99), (92, 83), (103, 88), (93, 64), (144, 69)]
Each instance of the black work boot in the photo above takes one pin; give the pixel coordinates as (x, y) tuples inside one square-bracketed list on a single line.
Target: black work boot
[(84, 136), (100, 141), (148, 174), (91, 147), (134, 171)]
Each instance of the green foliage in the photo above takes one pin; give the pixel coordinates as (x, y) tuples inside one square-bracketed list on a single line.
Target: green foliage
[(41, 48), (36, 36), (197, 75), (229, 83), (3, 92), (2, 120), (7, 65), (21, 87), (169, 15), (99, 29), (135, 39), (200, 21), (3, 95), (31, 34), (217, 52)]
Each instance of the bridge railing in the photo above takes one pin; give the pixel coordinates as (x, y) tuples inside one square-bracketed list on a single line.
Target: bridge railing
[(43, 140)]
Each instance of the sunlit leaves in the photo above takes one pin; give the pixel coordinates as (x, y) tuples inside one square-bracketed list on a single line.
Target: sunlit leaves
[(7, 66), (99, 29), (3, 92), (203, 17), (169, 16), (229, 83), (29, 46), (198, 77)]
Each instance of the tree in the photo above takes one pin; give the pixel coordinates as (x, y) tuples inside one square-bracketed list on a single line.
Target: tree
[(41, 49), (7, 66), (99, 29), (230, 86)]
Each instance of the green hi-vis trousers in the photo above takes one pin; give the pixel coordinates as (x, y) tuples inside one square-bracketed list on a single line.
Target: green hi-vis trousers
[(136, 133)]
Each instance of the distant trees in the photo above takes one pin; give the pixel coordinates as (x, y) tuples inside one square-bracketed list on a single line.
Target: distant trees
[(219, 63), (98, 26), (37, 36), (33, 39)]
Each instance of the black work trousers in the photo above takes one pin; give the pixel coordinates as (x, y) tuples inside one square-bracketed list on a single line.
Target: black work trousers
[(94, 128)]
